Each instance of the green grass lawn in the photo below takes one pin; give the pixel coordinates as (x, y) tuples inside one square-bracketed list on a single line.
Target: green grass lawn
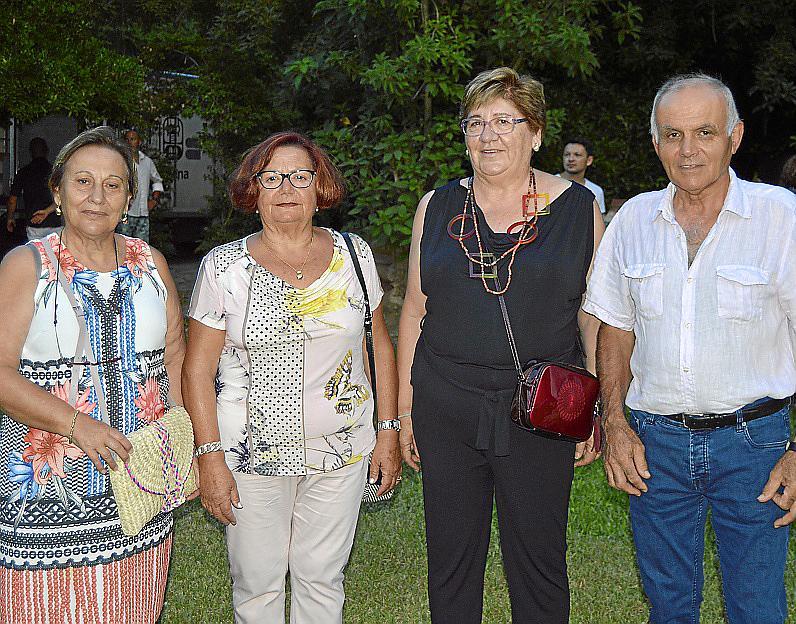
[(385, 581)]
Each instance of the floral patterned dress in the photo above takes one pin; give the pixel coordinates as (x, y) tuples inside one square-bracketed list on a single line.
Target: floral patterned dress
[(63, 556), (292, 395)]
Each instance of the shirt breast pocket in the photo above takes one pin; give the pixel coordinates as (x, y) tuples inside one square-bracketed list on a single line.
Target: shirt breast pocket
[(646, 288), (740, 291)]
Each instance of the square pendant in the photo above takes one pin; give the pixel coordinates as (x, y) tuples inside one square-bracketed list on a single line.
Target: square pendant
[(478, 271), (527, 204)]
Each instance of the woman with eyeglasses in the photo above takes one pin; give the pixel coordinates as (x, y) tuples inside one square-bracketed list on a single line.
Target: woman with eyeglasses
[(275, 383), (511, 230), (72, 388)]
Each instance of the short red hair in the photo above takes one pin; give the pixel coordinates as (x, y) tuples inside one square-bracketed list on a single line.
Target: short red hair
[(244, 187)]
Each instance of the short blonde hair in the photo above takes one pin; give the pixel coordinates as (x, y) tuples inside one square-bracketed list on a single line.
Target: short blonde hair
[(526, 93)]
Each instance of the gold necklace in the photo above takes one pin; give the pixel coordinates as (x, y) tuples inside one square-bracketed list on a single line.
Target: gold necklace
[(300, 271)]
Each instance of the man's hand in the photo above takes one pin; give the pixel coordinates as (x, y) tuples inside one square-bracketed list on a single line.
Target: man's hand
[(624, 458), (40, 215), (783, 475), (151, 204), (10, 225)]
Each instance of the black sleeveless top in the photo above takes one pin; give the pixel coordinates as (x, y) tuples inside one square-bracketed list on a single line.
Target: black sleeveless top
[(463, 323)]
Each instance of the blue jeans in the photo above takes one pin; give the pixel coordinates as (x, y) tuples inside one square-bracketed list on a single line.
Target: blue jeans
[(723, 470)]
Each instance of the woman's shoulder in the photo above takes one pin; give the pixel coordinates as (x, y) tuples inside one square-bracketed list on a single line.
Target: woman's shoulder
[(225, 255), (454, 187), (566, 193), (361, 246)]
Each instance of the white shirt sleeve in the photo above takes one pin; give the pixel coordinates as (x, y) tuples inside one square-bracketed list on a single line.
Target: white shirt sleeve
[(369, 271), (786, 281), (207, 299), (608, 294), (156, 182)]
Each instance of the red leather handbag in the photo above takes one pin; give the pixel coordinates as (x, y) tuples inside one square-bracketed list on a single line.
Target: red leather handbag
[(555, 399), (559, 400)]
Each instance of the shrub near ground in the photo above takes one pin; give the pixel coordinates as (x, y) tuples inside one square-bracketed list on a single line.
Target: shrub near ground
[(385, 580)]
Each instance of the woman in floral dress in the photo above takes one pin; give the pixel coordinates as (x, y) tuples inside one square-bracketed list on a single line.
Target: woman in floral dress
[(276, 319), (63, 556)]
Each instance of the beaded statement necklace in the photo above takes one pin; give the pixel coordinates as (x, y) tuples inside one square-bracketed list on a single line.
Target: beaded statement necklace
[(117, 283), (488, 263)]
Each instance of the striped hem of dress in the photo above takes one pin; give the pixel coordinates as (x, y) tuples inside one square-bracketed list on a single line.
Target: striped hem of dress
[(128, 591)]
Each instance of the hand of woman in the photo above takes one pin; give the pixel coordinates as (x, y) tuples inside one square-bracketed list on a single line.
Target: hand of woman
[(408, 446), (100, 441), (195, 468), (387, 460), (585, 452), (217, 488)]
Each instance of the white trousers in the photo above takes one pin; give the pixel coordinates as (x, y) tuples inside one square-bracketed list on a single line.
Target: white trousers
[(302, 524)]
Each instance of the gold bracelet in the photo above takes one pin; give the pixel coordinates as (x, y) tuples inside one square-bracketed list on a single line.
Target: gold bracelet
[(72, 427), (405, 415)]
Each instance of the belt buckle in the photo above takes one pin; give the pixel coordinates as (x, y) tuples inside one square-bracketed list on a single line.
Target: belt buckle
[(690, 418)]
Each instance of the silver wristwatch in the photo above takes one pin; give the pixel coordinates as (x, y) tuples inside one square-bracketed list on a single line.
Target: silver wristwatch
[(388, 424), (209, 447)]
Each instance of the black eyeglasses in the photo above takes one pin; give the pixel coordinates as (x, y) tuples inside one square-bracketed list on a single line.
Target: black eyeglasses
[(300, 178)]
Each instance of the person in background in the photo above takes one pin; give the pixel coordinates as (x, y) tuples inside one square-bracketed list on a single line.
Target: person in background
[(578, 157), (695, 285), (788, 176), (30, 184), (457, 374), (149, 183), (276, 387)]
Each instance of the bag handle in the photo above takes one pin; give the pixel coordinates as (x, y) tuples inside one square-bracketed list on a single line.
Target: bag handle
[(83, 347), (368, 317), (174, 483)]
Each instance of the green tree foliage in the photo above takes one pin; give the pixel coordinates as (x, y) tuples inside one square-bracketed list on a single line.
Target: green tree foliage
[(52, 61), (386, 79), (378, 82)]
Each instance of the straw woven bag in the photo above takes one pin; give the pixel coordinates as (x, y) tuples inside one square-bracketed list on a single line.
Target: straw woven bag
[(159, 475)]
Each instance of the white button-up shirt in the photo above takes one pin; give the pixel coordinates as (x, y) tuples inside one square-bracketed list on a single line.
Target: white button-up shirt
[(715, 336), (149, 180)]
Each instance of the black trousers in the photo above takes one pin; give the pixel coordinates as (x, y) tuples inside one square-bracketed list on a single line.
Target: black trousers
[(530, 486)]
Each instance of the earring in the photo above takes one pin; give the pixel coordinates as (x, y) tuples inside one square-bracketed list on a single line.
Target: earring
[(317, 209), (124, 217), (467, 151), (58, 209)]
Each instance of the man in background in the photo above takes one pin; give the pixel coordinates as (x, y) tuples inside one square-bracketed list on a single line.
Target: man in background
[(30, 184), (578, 157), (149, 181)]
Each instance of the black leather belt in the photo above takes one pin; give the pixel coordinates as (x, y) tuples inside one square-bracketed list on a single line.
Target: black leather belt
[(714, 421)]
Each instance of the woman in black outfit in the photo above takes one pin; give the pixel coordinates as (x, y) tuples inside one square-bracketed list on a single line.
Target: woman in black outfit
[(457, 375)]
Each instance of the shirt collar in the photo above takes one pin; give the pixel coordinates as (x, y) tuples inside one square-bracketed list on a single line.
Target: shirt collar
[(734, 202)]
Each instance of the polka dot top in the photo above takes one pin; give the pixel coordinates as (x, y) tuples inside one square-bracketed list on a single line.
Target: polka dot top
[(292, 395)]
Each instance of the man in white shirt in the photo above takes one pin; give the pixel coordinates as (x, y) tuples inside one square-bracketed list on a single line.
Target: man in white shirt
[(696, 288), (136, 223), (578, 157)]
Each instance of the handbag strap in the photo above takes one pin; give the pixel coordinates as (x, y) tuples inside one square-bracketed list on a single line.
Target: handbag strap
[(368, 317), (174, 482), (504, 311), (510, 334), (83, 347)]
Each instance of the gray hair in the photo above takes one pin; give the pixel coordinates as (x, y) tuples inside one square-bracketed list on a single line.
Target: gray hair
[(677, 83)]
